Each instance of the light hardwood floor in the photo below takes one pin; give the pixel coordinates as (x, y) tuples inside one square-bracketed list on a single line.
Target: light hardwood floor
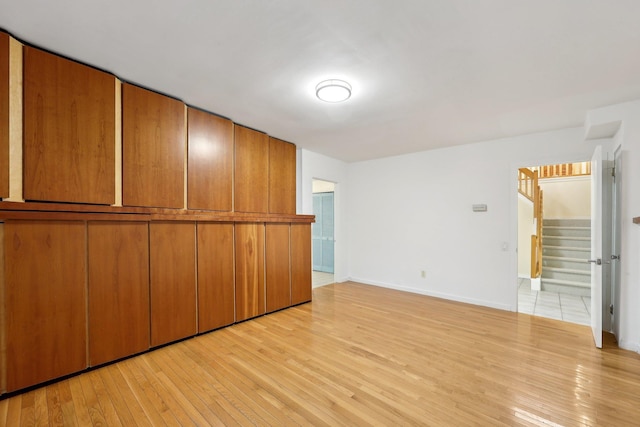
[(357, 355)]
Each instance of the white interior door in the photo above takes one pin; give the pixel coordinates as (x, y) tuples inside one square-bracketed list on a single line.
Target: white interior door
[(596, 245)]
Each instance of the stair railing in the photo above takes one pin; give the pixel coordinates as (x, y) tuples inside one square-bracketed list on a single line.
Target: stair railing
[(564, 170), (528, 186)]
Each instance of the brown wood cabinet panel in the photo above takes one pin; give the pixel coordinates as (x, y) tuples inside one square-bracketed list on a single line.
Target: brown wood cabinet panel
[(249, 249), (118, 290), (216, 284), (210, 167), (173, 281), (300, 263), (282, 177), (45, 296), (153, 149), (278, 271), (251, 182), (4, 115), (69, 130)]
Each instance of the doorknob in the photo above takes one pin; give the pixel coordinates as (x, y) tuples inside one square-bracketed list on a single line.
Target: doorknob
[(596, 261)]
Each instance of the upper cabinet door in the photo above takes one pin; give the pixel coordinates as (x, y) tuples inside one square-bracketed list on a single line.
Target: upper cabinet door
[(210, 168), (251, 171), (153, 149), (4, 115), (69, 130), (282, 177)]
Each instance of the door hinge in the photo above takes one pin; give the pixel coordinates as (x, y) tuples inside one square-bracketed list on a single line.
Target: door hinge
[(613, 171), (611, 309)]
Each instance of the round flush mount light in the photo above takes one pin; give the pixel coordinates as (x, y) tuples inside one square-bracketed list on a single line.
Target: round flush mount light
[(333, 90)]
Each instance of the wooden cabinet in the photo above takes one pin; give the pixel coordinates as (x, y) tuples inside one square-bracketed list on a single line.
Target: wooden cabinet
[(210, 167), (282, 177), (189, 251), (173, 281), (249, 251), (4, 115), (300, 263), (251, 182), (45, 300), (278, 271), (69, 130), (216, 284), (153, 149), (118, 254)]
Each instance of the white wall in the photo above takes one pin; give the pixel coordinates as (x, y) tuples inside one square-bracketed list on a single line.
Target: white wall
[(410, 213), (526, 228), (316, 166), (627, 326), (566, 197), (413, 212)]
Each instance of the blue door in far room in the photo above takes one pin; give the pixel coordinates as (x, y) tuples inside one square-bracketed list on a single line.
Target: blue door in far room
[(322, 232)]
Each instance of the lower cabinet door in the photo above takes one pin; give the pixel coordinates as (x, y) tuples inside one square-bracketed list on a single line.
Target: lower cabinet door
[(118, 290), (300, 263), (278, 267), (173, 281), (216, 286), (249, 248), (45, 300)]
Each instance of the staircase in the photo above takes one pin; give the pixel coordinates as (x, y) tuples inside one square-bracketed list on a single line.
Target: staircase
[(566, 248)]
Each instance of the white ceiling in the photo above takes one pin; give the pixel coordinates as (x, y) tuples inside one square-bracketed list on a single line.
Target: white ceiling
[(425, 73)]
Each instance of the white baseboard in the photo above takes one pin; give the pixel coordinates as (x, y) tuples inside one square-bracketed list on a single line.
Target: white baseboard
[(629, 345), (450, 297)]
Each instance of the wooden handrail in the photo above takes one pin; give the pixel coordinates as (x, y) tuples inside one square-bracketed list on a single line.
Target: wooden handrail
[(527, 181), (528, 186)]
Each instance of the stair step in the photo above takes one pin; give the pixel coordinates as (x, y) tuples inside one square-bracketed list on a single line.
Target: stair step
[(567, 222), (566, 287), (568, 248), (562, 258), (566, 231), (568, 271), (567, 283), (573, 238), (573, 248), (566, 262)]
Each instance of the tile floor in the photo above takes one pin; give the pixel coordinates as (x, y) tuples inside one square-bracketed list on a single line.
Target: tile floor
[(320, 279), (570, 308)]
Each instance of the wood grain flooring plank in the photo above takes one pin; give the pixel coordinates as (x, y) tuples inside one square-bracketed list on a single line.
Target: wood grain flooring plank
[(153, 405), (124, 400), (55, 416), (359, 355), (66, 404)]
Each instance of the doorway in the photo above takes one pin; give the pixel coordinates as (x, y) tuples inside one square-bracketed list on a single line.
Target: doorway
[(560, 286), (323, 232)]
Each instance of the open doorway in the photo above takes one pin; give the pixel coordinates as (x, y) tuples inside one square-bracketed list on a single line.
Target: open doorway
[(554, 242), (323, 232)]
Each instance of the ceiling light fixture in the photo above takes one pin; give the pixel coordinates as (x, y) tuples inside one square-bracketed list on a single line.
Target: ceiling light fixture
[(333, 91)]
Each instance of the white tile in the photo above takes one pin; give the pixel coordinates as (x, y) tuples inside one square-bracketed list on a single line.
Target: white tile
[(548, 296), (571, 300), (556, 316), (582, 320)]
